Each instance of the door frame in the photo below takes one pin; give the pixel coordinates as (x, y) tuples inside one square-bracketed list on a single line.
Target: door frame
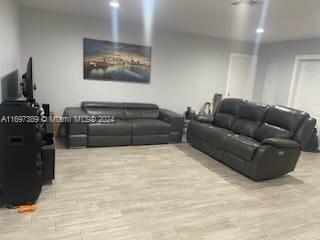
[(295, 80), (255, 61)]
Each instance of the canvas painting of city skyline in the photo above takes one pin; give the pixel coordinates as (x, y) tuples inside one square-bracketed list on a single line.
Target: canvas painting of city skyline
[(112, 61)]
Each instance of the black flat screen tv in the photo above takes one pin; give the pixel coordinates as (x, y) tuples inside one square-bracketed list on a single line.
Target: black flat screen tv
[(10, 86), (27, 82)]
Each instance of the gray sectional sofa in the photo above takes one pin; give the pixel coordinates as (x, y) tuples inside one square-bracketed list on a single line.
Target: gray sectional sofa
[(103, 124)]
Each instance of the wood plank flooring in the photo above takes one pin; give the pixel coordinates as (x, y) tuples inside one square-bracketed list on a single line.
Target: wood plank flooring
[(167, 192)]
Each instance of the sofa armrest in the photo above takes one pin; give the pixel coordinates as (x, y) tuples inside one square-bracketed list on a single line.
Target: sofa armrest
[(305, 131), (280, 143), (75, 127), (75, 121), (205, 119), (274, 158), (176, 122)]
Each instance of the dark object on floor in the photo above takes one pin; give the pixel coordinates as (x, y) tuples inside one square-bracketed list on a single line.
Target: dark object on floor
[(130, 124), (20, 162), (48, 163), (313, 144), (27, 208), (261, 142), (24, 158)]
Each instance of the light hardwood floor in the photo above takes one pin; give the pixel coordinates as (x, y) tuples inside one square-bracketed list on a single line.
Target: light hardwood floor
[(167, 192)]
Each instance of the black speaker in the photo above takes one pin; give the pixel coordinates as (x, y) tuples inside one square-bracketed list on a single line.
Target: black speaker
[(48, 163), (20, 161), (46, 109)]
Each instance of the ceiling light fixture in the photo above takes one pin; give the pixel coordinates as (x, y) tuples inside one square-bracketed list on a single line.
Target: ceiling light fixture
[(247, 2), (260, 30), (114, 4)]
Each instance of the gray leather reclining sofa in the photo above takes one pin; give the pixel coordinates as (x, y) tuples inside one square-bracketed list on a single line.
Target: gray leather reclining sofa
[(134, 124), (261, 142)]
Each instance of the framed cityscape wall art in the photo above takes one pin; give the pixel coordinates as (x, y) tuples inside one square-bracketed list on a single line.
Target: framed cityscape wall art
[(112, 61)]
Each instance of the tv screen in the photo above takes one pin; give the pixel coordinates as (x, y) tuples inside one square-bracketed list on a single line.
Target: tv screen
[(28, 82), (10, 86)]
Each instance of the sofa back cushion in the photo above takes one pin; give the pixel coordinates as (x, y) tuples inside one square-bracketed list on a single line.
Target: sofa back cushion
[(305, 132), (140, 110), (280, 122), (250, 116), (104, 109), (227, 112)]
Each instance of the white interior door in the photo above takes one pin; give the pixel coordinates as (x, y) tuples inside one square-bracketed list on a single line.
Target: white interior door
[(242, 70), (308, 89), (270, 83)]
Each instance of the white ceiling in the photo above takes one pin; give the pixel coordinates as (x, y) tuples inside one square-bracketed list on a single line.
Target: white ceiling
[(285, 19)]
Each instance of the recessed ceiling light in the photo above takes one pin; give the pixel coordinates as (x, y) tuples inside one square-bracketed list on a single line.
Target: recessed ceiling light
[(114, 4), (260, 30)]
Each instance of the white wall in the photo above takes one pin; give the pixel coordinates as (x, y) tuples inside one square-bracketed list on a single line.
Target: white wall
[(286, 53), (9, 37), (187, 70)]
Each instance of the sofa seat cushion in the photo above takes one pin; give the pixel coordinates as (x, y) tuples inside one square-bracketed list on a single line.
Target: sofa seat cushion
[(118, 128), (149, 127), (215, 136), (241, 146)]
